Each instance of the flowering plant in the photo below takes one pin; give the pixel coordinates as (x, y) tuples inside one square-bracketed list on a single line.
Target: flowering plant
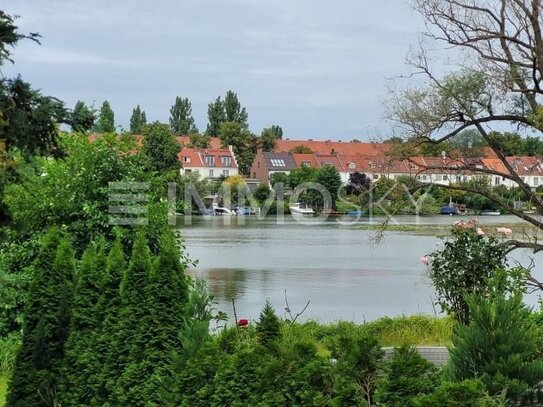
[(464, 265)]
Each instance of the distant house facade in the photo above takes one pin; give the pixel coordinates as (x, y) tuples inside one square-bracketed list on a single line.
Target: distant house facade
[(208, 163), (266, 164)]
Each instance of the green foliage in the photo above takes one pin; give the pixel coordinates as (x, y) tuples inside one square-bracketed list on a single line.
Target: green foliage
[(463, 267), (82, 118), (160, 146), (407, 375), (28, 119), (301, 175), (328, 176), (106, 121), (79, 364), (243, 143), (268, 328), (10, 36), (499, 346), (467, 393), (233, 112), (358, 369), (36, 374), (138, 120), (261, 193), (200, 140), (301, 149), (279, 177), (269, 136), (181, 120), (216, 117)]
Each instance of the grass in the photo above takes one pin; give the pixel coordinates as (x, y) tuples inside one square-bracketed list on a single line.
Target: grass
[(411, 330), (3, 389)]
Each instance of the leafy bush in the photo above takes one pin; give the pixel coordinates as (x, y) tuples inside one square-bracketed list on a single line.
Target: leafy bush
[(463, 266), (467, 393)]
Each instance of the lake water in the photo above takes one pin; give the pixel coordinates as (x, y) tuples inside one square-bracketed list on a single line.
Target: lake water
[(337, 267)]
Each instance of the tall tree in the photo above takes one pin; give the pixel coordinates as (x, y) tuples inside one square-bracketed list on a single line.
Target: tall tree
[(269, 136), (108, 306), (28, 119), (216, 117), (233, 110), (137, 120), (498, 88), (82, 118), (243, 144), (166, 299), (106, 121), (160, 146), (38, 363), (79, 362), (127, 346), (11, 36), (181, 120)]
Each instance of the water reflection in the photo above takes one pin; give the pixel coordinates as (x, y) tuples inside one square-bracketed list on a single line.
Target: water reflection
[(334, 266)]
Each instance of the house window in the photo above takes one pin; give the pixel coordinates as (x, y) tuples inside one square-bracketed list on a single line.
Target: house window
[(375, 176), (277, 162), (438, 177), (352, 166), (210, 173), (226, 173), (186, 159), (187, 171), (424, 177), (226, 161), (445, 178), (536, 181), (496, 180), (254, 174), (210, 161)]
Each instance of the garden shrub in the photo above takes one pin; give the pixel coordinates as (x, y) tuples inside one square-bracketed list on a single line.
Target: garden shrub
[(467, 393)]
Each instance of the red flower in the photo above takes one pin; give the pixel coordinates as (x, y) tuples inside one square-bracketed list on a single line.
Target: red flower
[(243, 322)]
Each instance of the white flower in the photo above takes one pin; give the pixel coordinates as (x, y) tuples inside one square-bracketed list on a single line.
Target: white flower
[(480, 232), (505, 231)]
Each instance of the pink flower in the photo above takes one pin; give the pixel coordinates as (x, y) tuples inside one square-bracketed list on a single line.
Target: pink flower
[(424, 260), (474, 220), (505, 231), (480, 232), (469, 225)]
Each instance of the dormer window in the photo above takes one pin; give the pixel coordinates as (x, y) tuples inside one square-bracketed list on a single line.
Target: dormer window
[(226, 161), (186, 159), (210, 160), (352, 166)]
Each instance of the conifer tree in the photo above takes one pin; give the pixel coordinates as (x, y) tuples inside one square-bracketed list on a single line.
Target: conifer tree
[(181, 120), (137, 120), (106, 121), (165, 300), (108, 306), (79, 362), (233, 110), (46, 324), (216, 117), (82, 117), (127, 349), (268, 328)]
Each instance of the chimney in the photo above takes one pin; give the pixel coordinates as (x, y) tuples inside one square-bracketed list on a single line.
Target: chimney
[(309, 139)]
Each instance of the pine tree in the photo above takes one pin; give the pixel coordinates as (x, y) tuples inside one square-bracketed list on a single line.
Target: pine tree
[(138, 120), (268, 328), (106, 121), (181, 120), (233, 110), (216, 117), (80, 360), (82, 118), (46, 325), (499, 346)]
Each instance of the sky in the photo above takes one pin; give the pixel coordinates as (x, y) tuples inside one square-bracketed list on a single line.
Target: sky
[(320, 69)]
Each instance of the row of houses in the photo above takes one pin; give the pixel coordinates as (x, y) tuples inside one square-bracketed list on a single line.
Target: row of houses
[(371, 159)]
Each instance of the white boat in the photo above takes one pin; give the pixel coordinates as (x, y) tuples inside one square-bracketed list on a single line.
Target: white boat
[(490, 213), (221, 211), (301, 209)]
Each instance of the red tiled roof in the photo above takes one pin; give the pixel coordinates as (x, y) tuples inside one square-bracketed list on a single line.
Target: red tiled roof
[(331, 147), (197, 156)]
